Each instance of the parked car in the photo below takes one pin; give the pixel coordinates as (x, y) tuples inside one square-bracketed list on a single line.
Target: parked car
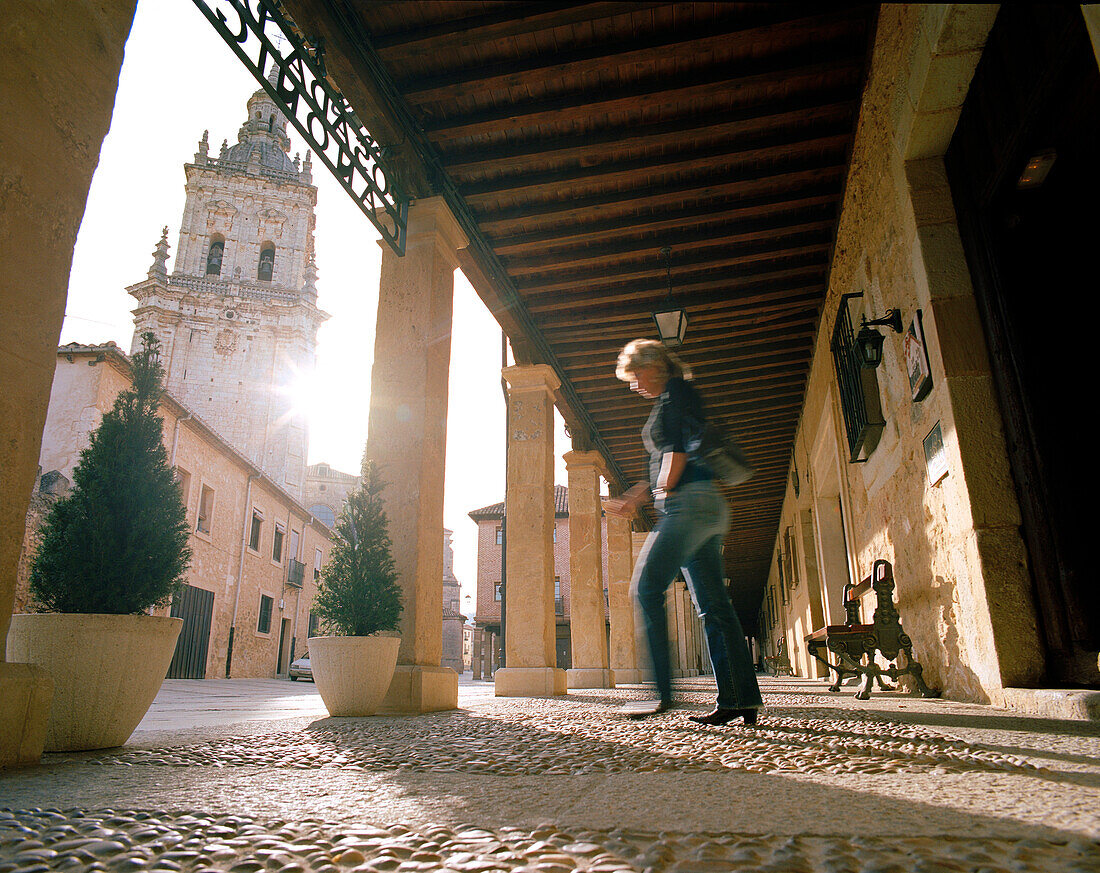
[(301, 668)]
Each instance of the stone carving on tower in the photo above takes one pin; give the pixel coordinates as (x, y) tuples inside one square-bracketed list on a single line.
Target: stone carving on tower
[(237, 317)]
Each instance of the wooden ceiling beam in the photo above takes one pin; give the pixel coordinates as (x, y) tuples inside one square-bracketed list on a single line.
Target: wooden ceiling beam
[(797, 326), (751, 183), (510, 20), (801, 113), (807, 243), (825, 143), (769, 24), (610, 253), (728, 287), (792, 360), (748, 82), (602, 328), (696, 219)]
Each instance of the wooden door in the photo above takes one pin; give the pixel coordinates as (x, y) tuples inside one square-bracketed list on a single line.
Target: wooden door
[(1024, 167), (196, 607)]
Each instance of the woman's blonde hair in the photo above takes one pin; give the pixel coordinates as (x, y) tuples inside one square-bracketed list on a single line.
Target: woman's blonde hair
[(649, 353)]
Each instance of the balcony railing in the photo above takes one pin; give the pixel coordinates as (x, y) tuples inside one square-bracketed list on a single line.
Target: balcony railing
[(559, 606), (295, 573)]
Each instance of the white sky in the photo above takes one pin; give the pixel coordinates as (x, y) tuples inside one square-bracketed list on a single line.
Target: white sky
[(178, 79)]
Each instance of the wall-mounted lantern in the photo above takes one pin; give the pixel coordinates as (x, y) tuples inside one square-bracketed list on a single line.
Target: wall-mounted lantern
[(869, 341)]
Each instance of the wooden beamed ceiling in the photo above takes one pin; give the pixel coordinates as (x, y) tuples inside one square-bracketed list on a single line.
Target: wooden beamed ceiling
[(574, 140)]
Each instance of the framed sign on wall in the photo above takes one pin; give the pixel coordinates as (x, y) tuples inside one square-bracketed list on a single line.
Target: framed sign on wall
[(916, 359)]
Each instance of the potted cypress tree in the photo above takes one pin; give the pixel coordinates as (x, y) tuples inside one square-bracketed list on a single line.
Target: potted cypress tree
[(112, 550), (357, 600)]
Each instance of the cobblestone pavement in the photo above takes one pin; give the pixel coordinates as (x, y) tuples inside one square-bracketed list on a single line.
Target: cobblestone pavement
[(823, 783)]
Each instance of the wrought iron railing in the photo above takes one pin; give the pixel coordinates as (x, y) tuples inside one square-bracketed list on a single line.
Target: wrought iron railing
[(859, 403), (259, 33), (559, 606), (295, 573)]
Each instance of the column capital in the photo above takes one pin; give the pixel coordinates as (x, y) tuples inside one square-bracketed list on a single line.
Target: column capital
[(431, 221), (575, 460), (531, 377)]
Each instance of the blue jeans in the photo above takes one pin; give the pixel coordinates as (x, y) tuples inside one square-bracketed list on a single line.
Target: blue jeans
[(688, 537)]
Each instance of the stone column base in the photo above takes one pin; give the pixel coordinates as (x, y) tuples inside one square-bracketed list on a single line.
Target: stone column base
[(26, 692), (590, 677), (631, 677), (530, 682), (416, 689)]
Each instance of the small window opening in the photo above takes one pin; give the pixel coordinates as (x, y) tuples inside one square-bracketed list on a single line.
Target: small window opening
[(267, 263), (263, 626), (214, 258), (257, 528), (206, 509), (277, 543)]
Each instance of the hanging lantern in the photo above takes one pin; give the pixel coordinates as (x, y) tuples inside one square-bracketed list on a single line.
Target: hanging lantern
[(671, 321)]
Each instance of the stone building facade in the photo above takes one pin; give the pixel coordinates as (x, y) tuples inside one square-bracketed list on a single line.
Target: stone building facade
[(237, 317), (453, 619), (490, 558), (943, 493), (257, 552), (325, 491)]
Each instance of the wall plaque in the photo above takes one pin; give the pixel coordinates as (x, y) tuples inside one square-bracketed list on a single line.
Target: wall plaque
[(934, 455)]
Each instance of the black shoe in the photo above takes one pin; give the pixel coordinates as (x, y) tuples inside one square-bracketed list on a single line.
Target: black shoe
[(720, 716), (644, 708)]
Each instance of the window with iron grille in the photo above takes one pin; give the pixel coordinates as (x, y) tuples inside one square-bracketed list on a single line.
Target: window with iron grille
[(263, 626), (859, 402)]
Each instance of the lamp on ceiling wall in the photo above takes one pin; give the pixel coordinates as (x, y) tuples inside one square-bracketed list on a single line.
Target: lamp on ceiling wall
[(869, 341), (671, 321)]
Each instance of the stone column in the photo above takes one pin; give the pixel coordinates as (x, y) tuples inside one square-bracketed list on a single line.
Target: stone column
[(407, 438), (691, 619), (641, 644), (475, 653), (52, 125), (587, 627), (671, 614), (620, 566), (529, 495)]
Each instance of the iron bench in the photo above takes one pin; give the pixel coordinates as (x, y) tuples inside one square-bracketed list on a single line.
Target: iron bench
[(854, 644), (779, 661)]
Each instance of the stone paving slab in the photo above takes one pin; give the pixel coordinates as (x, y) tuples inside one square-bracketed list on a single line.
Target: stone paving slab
[(824, 782)]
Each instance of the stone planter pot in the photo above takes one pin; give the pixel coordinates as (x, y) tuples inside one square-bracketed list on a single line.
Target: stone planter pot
[(106, 671), (353, 674)]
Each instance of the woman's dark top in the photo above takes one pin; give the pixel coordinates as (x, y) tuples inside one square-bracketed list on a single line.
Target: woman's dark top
[(676, 425)]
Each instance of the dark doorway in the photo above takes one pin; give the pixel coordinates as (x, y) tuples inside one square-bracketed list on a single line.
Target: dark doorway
[(1023, 166), (196, 607), (282, 664), (563, 646)]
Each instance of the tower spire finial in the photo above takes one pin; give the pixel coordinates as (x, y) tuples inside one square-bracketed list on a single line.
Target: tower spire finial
[(159, 269)]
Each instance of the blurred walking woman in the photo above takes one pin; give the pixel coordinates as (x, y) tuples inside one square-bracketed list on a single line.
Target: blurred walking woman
[(693, 520)]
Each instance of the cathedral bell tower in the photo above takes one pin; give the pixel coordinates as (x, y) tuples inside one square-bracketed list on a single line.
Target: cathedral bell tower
[(237, 317)]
